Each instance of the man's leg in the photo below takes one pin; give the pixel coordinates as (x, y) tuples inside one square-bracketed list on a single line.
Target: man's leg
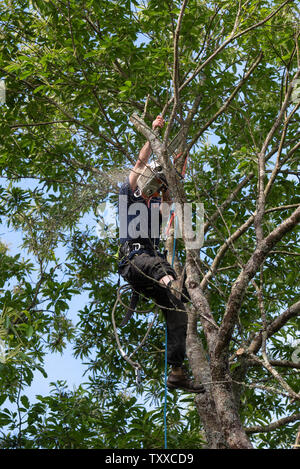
[(176, 319), (142, 270), (176, 325)]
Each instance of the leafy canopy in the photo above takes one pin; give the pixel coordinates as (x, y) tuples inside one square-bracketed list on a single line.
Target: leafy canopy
[(74, 73)]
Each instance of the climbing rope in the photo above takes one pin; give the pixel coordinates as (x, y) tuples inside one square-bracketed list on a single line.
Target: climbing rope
[(166, 389), (128, 358)]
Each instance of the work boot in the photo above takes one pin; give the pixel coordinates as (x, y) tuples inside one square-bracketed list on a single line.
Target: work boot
[(181, 381)]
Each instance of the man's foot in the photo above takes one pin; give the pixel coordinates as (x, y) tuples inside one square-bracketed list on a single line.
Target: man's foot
[(180, 380)]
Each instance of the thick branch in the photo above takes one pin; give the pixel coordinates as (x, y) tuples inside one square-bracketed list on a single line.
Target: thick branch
[(240, 285), (143, 128), (201, 372)]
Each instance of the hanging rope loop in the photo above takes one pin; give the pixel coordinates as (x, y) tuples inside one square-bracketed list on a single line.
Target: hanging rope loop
[(128, 358)]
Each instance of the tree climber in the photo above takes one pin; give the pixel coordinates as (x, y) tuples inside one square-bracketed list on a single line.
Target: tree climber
[(146, 269)]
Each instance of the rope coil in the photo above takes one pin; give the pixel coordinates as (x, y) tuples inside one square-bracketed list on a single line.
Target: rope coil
[(128, 358)]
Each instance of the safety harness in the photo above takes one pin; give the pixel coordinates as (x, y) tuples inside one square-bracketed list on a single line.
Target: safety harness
[(128, 250)]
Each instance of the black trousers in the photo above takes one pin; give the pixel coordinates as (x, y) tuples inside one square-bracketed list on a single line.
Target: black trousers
[(143, 271)]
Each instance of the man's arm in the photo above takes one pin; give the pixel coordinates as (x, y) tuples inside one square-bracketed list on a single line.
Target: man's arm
[(144, 156)]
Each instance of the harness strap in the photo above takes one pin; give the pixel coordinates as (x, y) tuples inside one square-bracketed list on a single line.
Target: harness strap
[(130, 248)]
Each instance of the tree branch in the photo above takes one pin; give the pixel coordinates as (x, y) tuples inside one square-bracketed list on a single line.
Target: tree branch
[(275, 326), (243, 183), (261, 163), (280, 363), (231, 38), (266, 364), (36, 124), (175, 76), (229, 241), (239, 287), (226, 104), (273, 426)]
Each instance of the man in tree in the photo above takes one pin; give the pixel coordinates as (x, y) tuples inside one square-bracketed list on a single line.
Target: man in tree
[(147, 270)]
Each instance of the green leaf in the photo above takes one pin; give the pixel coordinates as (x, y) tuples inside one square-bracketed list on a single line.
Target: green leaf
[(25, 401), (29, 331)]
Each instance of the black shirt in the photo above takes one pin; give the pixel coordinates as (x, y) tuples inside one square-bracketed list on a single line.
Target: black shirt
[(140, 219)]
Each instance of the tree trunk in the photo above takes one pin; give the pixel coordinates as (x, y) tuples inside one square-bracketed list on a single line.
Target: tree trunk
[(204, 402), (217, 408), (226, 405)]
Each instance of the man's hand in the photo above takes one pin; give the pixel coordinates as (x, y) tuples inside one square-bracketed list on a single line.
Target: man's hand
[(158, 122)]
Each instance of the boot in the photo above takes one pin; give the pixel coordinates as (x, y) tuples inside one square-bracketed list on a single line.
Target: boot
[(180, 380)]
